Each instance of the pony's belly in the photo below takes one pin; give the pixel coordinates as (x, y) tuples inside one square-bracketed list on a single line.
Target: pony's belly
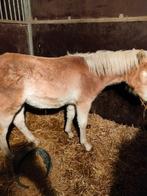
[(48, 102)]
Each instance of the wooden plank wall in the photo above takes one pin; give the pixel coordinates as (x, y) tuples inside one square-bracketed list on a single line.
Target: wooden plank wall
[(52, 40), (57, 39), (57, 9), (13, 38)]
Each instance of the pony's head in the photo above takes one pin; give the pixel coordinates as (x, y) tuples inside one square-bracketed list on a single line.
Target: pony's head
[(138, 80)]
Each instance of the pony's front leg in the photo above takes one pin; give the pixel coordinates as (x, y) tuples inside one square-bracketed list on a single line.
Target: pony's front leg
[(82, 117), (70, 116), (19, 122)]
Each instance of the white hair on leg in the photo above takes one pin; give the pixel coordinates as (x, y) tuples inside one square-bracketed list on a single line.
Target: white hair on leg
[(19, 122), (70, 116), (82, 117)]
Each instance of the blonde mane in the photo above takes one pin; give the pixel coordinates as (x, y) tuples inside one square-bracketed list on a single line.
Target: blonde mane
[(105, 62)]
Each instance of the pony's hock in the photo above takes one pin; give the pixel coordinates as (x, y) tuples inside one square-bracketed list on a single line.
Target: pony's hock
[(72, 80)]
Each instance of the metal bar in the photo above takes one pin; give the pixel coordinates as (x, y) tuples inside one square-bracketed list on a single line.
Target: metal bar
[(25, 9), (10, 9), (1, 13), (30, 34), (76, 21), (92, 20), (18, 10), (5, 8), (30, 39), (29, 10), (22, 10), (14, 10), (13, 22)]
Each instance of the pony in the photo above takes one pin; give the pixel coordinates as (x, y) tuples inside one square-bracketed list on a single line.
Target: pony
[(73, 80)]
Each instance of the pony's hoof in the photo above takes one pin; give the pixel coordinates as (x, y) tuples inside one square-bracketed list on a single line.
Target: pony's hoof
[(70, 135), (88, 147)]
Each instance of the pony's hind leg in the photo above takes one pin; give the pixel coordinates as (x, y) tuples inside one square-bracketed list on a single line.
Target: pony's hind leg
[(3, 142), (5, 122), (82, 117), (19, 122), (70, 116)]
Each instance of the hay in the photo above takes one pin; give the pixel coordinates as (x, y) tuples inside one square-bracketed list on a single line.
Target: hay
[(117, 165)]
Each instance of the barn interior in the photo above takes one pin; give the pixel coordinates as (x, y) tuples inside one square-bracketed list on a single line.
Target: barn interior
[(117, 123)]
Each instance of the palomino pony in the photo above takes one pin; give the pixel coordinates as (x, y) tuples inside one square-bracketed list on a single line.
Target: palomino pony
[(72, 80)]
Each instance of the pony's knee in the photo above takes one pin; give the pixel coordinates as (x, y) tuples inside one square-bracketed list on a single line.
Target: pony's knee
[(70, 112), (70, 117)]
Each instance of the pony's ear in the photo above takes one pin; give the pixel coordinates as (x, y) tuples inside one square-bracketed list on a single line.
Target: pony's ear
[(143, 77), (141, 55)]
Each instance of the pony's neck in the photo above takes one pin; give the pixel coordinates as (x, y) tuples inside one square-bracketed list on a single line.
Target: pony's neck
[(110, 80), (131, 78)]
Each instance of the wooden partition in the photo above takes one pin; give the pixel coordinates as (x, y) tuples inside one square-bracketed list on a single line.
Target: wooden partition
[(13, 38), (59, 9)]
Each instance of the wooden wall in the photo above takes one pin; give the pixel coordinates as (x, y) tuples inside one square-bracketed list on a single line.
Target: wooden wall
[(13, 38), (57, 39), (57, 9)]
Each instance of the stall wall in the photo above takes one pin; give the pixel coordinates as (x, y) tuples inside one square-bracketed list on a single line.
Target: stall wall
[(57, 39), (13, 38), (57, 9)]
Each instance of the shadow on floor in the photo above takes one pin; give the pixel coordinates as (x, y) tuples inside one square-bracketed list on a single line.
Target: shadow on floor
[(130, 170), (31, 169)]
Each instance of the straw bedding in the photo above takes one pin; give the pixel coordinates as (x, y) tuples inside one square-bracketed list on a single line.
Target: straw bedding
[(117, 165)]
